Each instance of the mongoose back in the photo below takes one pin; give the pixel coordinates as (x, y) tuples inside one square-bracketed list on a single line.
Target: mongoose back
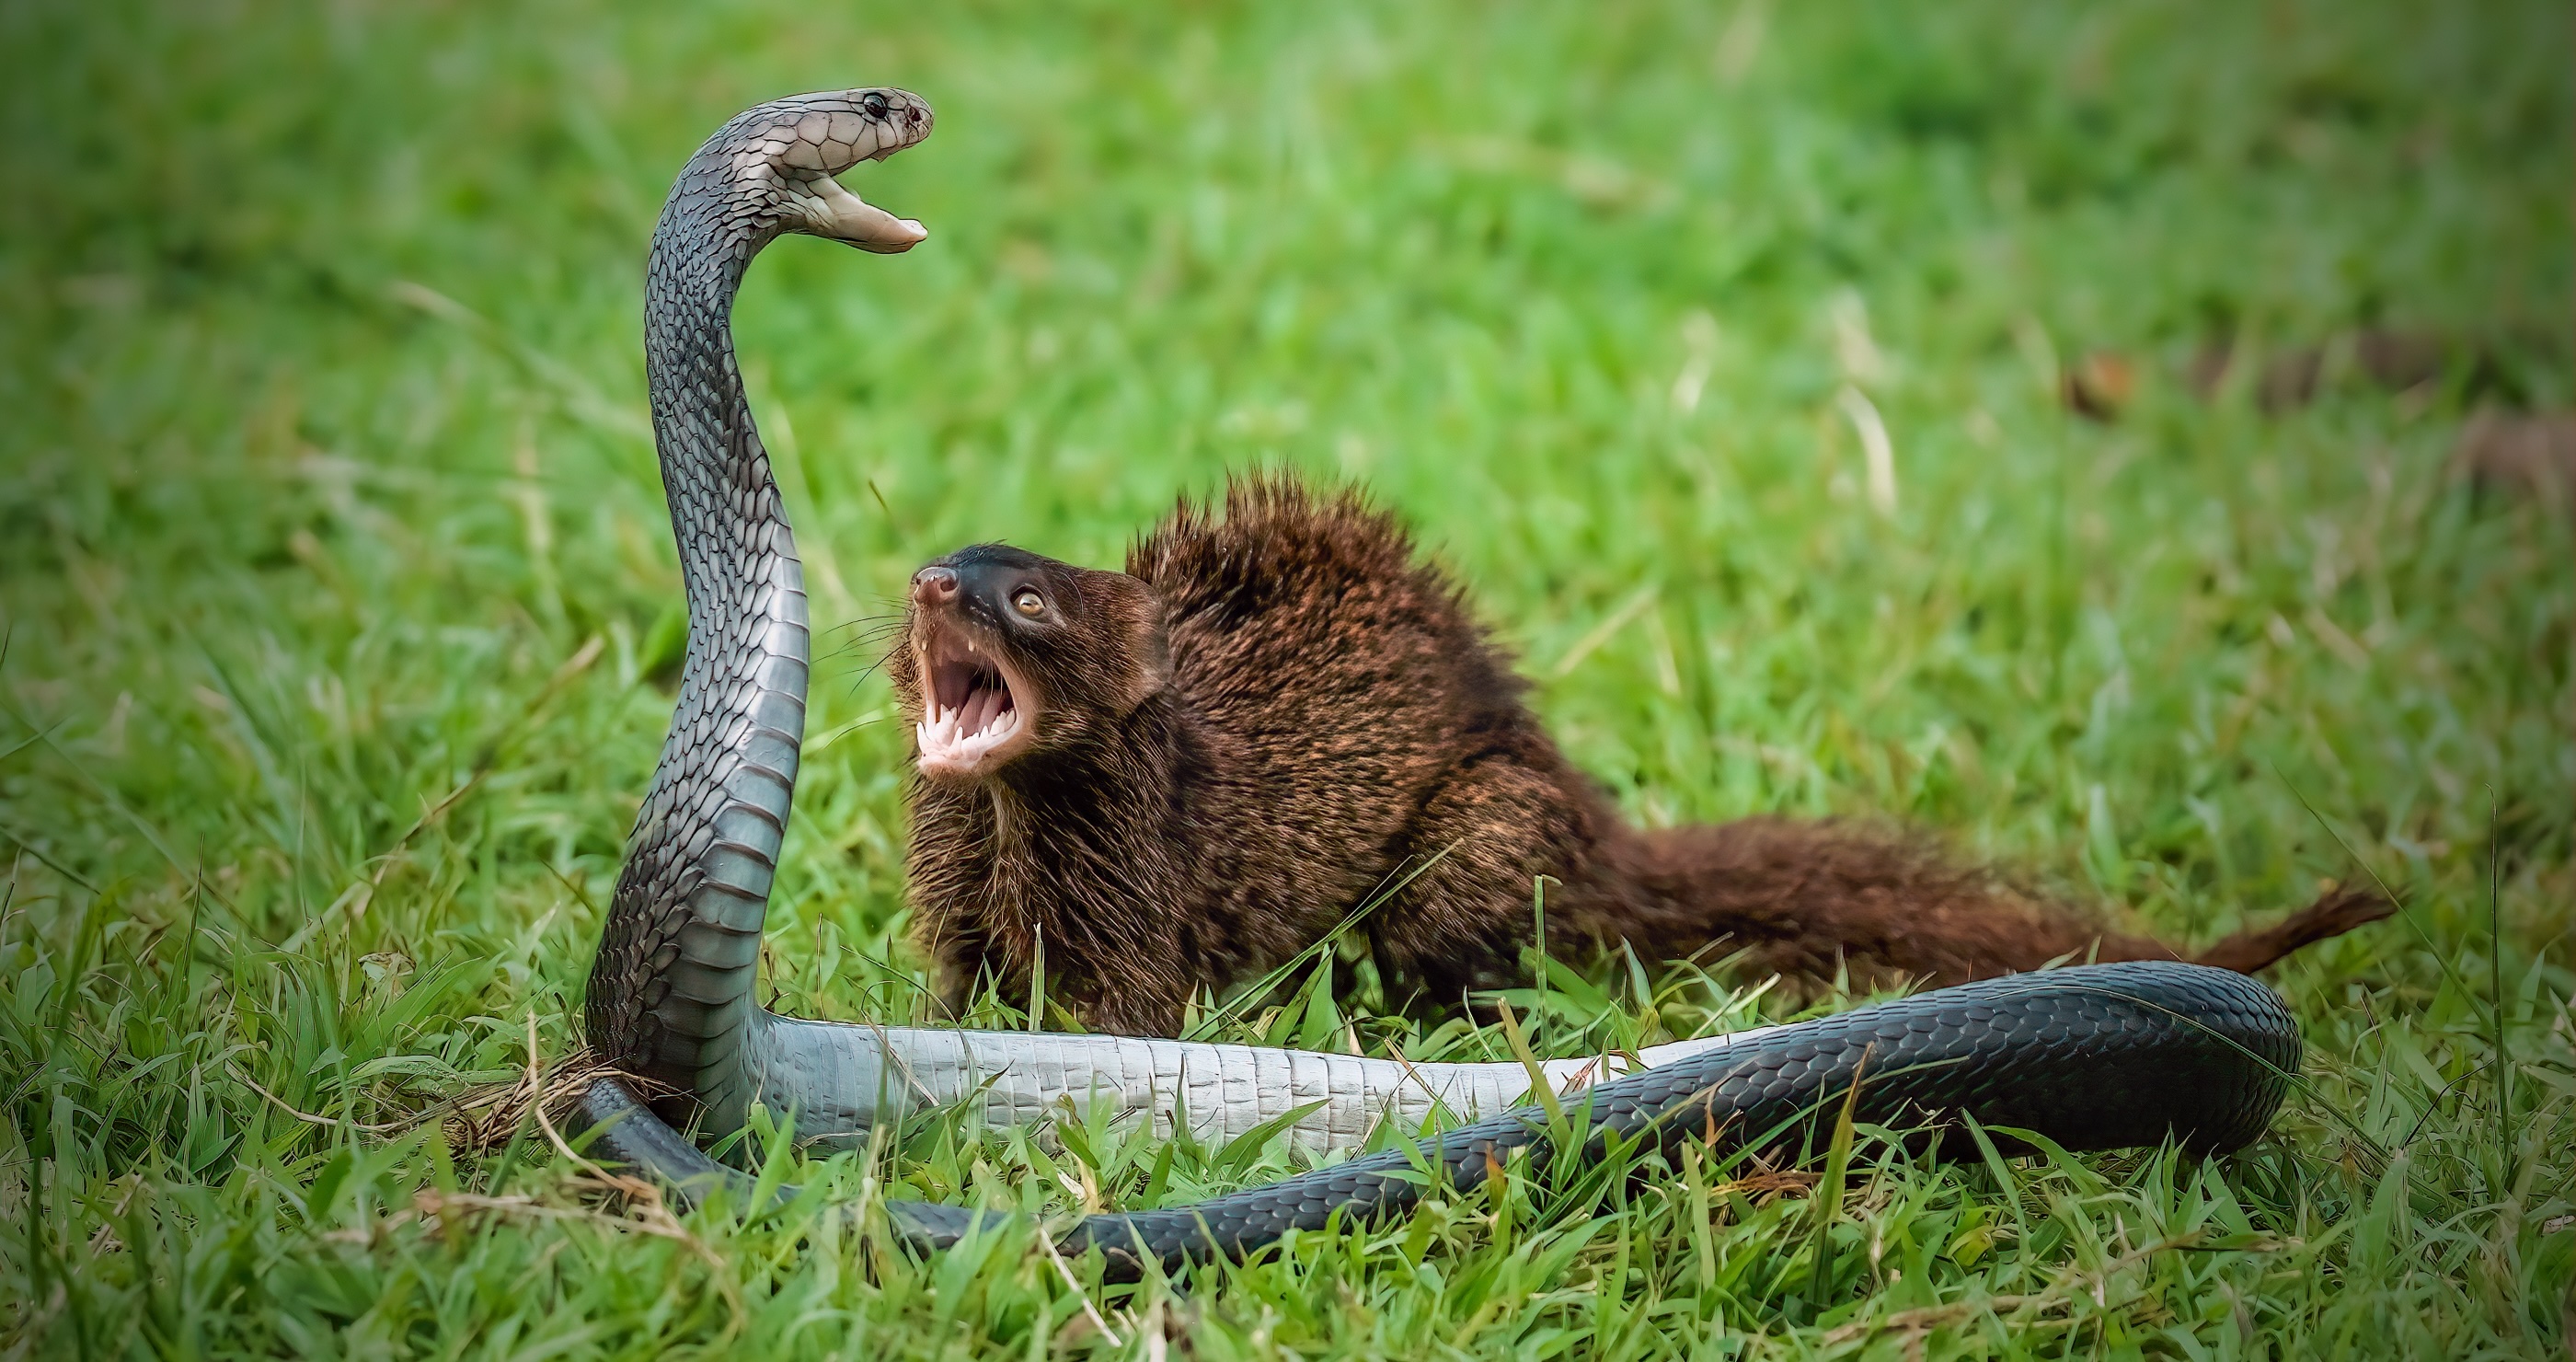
[(1166, 779)]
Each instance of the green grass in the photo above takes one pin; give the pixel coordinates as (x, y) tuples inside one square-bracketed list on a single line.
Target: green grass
[(338, 597)]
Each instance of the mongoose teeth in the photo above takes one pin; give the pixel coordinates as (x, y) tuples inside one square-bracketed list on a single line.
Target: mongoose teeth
[(960, 739)]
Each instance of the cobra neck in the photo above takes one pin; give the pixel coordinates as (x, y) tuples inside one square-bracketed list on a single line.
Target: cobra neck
[(685, 926)]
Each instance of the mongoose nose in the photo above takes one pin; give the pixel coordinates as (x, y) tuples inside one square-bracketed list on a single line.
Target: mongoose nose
[(934, 586)]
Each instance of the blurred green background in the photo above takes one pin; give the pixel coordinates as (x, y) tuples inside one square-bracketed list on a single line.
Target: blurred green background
[(340, 607)]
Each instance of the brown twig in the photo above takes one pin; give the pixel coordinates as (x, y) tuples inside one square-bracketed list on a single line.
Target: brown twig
[(1046, 1241), (307, 1117), (653, 1214)]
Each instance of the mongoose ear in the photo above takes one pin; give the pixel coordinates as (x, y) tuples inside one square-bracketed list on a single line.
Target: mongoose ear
[(1149, 643)]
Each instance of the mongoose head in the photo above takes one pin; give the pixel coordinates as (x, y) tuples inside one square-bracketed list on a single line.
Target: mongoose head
[(1008, 654)]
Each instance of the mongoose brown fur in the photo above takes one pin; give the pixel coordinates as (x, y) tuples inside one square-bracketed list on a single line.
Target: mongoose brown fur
[(1169, 778)]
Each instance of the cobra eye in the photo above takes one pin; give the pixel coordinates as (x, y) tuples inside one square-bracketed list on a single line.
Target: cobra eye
[(874, 103), (1028, 603)]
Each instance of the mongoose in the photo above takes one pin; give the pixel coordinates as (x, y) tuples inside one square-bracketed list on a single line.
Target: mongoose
[(1168, 778)]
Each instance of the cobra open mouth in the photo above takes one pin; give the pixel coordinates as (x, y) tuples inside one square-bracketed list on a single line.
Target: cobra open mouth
[(976, 711)]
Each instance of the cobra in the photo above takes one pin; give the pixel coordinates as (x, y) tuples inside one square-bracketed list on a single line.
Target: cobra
[(2092, 1057)]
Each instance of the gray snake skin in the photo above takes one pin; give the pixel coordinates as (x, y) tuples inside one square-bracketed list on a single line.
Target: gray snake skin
[(2093, 1057)]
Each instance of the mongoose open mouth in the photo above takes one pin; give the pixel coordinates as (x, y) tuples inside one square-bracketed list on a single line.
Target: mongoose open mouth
[(976, 712)]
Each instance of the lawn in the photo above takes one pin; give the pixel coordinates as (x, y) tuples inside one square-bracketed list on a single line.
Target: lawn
[(341, 616)]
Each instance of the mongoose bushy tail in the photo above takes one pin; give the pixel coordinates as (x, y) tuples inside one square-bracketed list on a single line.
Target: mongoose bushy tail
[(1805, 899), (1155, 782)]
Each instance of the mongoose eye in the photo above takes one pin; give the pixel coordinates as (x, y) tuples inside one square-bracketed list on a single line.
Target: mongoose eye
[(874, 103), (1028, 602)]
